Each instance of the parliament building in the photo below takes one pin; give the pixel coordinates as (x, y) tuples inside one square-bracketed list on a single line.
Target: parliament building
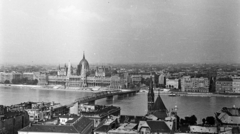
[(70, 77)]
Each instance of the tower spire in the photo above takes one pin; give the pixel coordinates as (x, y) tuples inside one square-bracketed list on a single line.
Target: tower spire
[(150, 96), (83, 55)]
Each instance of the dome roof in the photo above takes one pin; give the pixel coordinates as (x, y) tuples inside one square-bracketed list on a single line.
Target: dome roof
[(84, 62)]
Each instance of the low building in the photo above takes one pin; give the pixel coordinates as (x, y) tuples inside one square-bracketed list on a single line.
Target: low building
[(224, 85), (67, 125), (153, 127), (125, 128), (98, 113), (172, 83), (41, 111), (203, 129), (229, 116), (110, 123)]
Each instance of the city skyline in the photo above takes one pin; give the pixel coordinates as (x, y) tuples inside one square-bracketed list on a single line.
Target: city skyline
[(166, 31)]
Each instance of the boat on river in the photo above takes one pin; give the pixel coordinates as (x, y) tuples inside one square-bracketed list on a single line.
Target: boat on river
[(173, 95)]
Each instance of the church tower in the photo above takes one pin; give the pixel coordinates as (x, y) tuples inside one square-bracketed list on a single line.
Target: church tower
[(150, 96)]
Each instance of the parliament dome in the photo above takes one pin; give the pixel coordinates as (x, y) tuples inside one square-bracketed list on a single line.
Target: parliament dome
[(83, 66), (84, 62)]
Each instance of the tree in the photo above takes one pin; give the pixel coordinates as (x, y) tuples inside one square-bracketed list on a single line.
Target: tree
[(156, 79), (179, 84), (192, 120), (182, 121), (6, 82), (142, 80), (23, 80), (14, 81), (178, 121), (165, 81), (210, 120), (35, 82), (147, 82), (203, 121)]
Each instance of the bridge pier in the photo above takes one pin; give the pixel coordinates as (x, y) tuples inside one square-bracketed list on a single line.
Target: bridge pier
[(119, 96), (91, 102), (110, 98), (124, 95)]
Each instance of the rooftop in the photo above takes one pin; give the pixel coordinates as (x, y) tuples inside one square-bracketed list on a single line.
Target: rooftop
[(104, 128), (129, 126), (131, 118), (101, 112), (10, 114), (76, 127), (231, 111), (224, 79), (158, 126), (159, 105)]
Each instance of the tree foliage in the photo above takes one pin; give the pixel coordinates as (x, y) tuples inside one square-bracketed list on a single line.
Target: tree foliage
[(6, 82), (192, 120), (24, 81), (203, 121), (210, 120)]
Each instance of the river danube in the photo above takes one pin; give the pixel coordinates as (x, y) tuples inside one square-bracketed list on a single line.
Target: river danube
[(131, 105)]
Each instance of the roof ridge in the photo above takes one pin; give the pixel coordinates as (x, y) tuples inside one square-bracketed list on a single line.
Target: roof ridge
[(75, 128)]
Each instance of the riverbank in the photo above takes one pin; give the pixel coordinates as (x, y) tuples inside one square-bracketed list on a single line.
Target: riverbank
[(51, 87), (176, 94)]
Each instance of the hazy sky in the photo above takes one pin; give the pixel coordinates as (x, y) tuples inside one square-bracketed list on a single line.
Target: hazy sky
[(119, 31)]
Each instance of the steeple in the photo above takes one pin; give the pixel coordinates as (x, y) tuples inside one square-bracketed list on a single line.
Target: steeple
[(83, 55), (150, 96), (159, 105)]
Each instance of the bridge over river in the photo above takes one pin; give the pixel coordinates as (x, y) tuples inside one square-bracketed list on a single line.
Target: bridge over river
[(105, 94)]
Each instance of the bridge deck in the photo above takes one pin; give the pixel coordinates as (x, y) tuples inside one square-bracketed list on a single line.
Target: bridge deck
[(103, 94)]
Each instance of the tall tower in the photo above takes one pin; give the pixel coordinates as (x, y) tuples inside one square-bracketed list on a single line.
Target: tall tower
[(150, 96), (69, 70)]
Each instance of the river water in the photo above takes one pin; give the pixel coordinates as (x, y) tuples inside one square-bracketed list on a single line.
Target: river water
[(201, 107)]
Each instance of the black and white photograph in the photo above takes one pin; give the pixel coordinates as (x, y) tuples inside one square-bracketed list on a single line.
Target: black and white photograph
[(119, 66)]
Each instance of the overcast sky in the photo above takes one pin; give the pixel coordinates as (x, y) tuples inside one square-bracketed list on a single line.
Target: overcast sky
[(119, 31)]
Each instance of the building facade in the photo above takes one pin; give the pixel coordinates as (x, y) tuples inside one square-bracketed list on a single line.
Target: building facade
[(6, 77), (189, 84), (12, 120), (224, 85), (236, 84), (68, 79), (162, 80), (172, 83), (29, 76)]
